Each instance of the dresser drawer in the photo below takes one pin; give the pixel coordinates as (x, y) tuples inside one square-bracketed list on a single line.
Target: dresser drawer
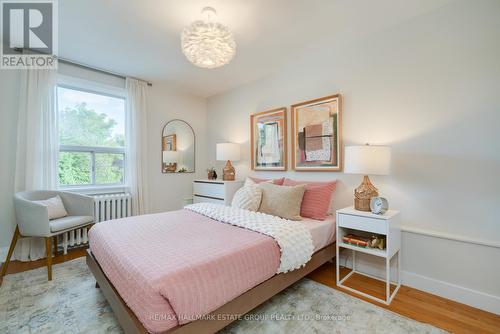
[(378, 226), (202, 199), (213, 190)]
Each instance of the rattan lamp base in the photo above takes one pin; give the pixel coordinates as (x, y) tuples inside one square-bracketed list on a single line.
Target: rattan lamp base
[(363, 194), (362, 204), (228, 173)]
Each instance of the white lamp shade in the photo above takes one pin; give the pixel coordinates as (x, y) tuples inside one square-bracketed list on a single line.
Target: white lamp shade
[(228, 151), (368, 160), (170, 156)]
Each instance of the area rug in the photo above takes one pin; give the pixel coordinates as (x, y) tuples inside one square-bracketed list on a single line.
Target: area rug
[(71, 304)]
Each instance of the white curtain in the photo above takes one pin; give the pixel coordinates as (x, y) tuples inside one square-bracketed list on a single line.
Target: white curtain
[(136, 146), (37, 147)]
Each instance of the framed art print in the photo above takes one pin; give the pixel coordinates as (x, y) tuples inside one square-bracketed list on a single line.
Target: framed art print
[(169, 143), (316, 134), (268, 138)]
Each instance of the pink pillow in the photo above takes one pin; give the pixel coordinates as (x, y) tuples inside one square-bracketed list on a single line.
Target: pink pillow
[(278, 182), (317, 197)]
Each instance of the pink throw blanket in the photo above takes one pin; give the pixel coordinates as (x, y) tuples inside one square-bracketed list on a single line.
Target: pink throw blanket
[(174, 267)]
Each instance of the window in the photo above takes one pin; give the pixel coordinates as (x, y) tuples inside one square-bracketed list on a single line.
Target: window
[(91, 128)]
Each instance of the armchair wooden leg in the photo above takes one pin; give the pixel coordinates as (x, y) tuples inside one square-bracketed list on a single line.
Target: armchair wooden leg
[(48, 250), (15, 237)]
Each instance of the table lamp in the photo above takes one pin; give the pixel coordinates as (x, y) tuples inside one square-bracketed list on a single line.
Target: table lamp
[(366, 160), (228, 152)]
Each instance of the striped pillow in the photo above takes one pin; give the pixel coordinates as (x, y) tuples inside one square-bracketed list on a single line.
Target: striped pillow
[(250, 182), (247, 197), (316, 200), (278, 182)]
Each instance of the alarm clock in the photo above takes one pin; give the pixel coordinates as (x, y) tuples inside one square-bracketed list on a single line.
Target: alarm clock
[(378, 205)]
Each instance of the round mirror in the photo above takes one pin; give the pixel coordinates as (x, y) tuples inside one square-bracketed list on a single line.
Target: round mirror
[(177, 146)]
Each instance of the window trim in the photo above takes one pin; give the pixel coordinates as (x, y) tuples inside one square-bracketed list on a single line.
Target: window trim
[(103, 90), (90, 190), (96, 149), (93, 150), (91, 86), (90, 90)]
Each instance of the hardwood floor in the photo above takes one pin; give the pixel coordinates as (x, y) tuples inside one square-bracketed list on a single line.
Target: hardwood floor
[(421, 306), (18, 266), (409, 302)]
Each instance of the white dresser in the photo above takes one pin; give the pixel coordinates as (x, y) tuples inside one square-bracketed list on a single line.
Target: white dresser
[(215, 191)]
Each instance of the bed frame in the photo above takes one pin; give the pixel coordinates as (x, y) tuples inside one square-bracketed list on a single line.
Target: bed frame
[(238, 306)]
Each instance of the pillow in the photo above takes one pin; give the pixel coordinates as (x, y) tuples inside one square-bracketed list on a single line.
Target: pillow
[(250, 182), (248, 198), (317, 198), (278, 182), (281, 201), (55, 207)]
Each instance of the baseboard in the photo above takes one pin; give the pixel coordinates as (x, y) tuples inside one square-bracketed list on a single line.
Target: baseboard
[(474, 298), (451, 291)]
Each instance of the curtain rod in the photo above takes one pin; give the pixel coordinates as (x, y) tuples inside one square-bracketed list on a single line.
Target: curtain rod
[(84, 66), (96, 69)]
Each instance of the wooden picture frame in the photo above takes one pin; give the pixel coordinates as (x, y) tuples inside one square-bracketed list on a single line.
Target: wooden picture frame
[(317, 134), (169, 143), (272, 123)]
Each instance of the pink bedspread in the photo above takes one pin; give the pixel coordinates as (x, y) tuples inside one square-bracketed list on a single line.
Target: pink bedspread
[(173, 267)]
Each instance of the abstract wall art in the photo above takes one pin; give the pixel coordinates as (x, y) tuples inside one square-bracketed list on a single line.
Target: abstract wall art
[(268, 140), (316, 131)]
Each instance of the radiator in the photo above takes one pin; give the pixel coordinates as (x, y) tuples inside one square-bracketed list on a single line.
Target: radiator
[(106, 207), (113, 206)]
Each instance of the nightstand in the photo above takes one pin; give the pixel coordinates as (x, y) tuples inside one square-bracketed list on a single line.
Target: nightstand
[(363, 223)]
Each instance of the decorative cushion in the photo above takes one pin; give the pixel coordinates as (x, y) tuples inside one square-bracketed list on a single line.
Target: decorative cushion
[(278, 182), (55, 207), (248, 198), (317, 197), (250, 182), (69, 222), (282, 201)]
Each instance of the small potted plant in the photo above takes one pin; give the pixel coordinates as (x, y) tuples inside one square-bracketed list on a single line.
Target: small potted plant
[(212, 175)]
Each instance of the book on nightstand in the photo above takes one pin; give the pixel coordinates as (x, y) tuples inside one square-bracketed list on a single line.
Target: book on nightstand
[(356, 240)]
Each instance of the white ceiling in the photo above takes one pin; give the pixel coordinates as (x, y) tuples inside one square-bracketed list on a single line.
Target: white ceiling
[(141, 38)]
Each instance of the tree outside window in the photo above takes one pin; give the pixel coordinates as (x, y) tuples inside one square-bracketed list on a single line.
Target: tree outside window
[(91, 138)]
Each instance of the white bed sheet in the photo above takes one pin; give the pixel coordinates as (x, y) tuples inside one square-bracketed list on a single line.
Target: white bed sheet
[(322, 231)]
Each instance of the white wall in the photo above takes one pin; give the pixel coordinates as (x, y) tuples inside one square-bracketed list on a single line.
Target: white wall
[(430, 89), (168, 191), (165, 103)]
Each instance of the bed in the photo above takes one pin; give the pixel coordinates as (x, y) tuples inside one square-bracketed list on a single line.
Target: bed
[(184, 272)]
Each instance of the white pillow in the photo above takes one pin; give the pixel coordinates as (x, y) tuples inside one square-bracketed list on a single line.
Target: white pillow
[(248, 198), (55, 207), (249, 182)]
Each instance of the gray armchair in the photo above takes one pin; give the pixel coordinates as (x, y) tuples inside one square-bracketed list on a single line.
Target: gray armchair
[(33, 219)]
